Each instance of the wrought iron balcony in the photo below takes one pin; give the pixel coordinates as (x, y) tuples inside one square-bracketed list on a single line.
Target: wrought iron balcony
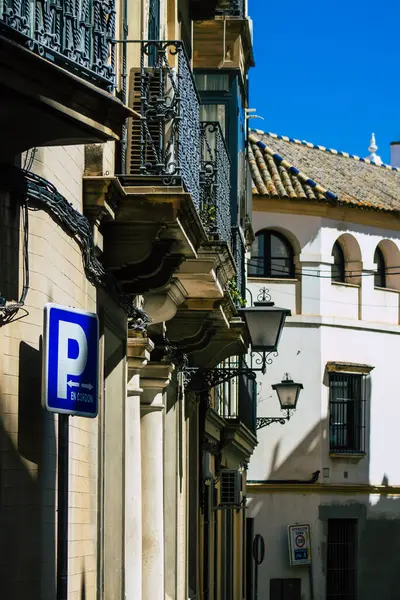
[(235, 400), (164, 147), (238, 251), (231, 8), (215, 170), (75, 34)]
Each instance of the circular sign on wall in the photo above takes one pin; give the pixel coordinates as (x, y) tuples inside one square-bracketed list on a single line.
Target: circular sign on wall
[(300, 541)]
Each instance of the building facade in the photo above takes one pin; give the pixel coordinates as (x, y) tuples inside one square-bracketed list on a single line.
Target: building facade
[(124, 192), (328, 247)]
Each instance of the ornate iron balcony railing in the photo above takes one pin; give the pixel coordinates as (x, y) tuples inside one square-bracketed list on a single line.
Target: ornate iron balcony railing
[(215, 172), (235, 399), (165, 145), (76, 34), (238, 251), (231, 8)]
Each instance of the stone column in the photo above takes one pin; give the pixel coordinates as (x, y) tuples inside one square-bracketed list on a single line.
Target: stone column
[(154, 380), (138, 355)]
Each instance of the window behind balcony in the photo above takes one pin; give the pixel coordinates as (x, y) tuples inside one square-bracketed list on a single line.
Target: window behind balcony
[(347, 413), (214, 112), (212, 82), (236, 398), (154, 20), (226, 396), (153, 29)]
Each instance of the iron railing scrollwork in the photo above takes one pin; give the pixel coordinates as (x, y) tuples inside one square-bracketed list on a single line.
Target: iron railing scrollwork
[(239, 250), (215, 169), (169, 108), (231, 8), (77, 34)]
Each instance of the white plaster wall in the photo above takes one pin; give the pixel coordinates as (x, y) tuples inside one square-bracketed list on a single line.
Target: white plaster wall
[(274, 512), (333, 332), (283, 292), (351, 323), (292, 450), (380, 350)]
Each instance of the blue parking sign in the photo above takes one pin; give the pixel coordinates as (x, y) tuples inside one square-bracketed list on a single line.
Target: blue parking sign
[(70, 361)]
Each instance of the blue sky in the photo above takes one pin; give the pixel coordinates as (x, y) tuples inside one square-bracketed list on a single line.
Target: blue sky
[(328, 72)]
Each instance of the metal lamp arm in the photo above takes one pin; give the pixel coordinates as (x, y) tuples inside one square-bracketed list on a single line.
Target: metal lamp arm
[(265, 421)]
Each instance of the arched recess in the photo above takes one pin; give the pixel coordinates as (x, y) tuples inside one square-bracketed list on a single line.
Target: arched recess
[(391, 257), (265, 262), (352, 258)]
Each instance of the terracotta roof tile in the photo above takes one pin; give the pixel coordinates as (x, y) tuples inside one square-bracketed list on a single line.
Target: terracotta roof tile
[(283, 167)]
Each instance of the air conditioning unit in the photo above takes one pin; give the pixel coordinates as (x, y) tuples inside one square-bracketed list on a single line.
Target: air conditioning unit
[(231, 487), (157, 143)]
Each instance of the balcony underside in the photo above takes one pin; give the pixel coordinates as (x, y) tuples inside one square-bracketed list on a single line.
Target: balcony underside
[(222, 44), (44, 105), (150, 236), (238, 441), (208, 332)]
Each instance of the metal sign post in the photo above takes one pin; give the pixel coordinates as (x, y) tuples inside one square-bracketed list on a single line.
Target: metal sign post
[(300, 550), (258, 555), (70, 387), (62, 505)]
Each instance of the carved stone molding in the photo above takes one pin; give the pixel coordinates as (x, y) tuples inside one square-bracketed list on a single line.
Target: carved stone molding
[(210, 445), (163, 304)]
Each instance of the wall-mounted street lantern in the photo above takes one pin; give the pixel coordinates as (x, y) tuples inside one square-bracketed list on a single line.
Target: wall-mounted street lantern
[(288, 393), (265, 323)]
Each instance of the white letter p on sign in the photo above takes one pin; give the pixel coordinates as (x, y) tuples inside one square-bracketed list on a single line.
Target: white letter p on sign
[(70, 366)]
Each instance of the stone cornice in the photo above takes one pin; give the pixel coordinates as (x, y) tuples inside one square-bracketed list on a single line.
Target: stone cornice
[(317, 321), (373, 218), (347, 367), (258, 487)]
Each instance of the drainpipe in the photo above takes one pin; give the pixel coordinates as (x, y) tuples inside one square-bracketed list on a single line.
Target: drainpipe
[(314, 479)]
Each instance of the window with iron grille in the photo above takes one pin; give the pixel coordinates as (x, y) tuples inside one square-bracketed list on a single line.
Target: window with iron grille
[(347, 413), (230, 487), (341, 576)]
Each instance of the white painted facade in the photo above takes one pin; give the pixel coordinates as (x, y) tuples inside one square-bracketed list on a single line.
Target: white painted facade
[(345, 322)]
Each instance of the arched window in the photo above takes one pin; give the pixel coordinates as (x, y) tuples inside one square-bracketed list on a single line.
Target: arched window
[(380, 273), (338, 267), (272, 256)]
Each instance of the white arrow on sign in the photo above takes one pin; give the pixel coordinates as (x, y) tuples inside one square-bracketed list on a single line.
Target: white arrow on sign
[(87, 386), (73, 384)]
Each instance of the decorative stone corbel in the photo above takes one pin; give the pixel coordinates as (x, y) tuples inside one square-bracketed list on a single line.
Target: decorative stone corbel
[(163, 304), (138, 356)]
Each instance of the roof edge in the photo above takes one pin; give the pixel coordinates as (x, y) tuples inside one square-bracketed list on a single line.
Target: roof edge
[(285, 138), (330, 196)]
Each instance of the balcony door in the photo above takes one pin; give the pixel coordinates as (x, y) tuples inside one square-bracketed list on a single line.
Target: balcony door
[(154, 20), (153, 31)]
